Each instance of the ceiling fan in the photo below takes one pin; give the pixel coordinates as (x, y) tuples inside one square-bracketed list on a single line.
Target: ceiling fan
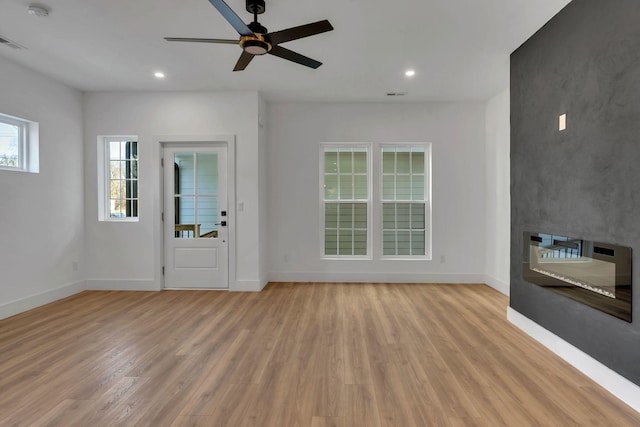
[(256, 40)]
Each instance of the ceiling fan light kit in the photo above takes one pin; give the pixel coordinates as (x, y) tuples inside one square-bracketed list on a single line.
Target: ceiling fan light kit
[(255, 46), (255, 40)]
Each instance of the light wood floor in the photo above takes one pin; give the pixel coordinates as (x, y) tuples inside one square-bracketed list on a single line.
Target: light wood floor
[(313, 355)]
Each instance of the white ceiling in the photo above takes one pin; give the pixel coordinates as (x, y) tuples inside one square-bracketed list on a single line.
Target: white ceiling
[(459, 48)]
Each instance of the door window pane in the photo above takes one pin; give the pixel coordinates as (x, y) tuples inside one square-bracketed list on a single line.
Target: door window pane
[(207, 208), (196, 190), (185, 221), (207, 167)]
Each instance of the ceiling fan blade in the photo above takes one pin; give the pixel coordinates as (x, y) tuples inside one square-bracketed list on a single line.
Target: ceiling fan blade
[(299, 32), (231, 17), (243, 61), (189, 39), (294, 56)]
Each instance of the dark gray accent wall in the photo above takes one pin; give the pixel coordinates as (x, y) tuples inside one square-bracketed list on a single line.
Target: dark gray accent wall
[(584, 181)]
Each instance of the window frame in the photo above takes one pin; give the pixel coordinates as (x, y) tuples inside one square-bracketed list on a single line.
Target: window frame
[(375, 201), (27, 144), (427, 199), (369, 201), (104, 178)]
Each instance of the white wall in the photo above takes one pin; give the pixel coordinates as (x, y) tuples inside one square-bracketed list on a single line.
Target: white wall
[(128, 255), (498, 198), (263, 166), (457, 132), (41, 226)]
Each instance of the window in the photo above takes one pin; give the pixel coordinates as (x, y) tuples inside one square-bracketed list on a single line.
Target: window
[(404, 201), (119, 177), (346, 200), (18, 144), (397, 202)]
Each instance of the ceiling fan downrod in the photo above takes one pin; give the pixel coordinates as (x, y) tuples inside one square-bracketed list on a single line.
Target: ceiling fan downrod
[(256, 7)]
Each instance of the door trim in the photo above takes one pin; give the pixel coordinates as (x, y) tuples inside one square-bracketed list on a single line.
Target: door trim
[(177, 141)]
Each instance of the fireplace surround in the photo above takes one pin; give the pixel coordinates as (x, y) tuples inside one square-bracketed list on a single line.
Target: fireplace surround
[(593, 273)]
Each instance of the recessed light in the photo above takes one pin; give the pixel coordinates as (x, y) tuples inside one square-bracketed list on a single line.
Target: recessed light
[(159, 75), (410, 73)]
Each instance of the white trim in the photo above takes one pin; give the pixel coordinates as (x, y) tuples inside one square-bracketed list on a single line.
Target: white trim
[(177, 140), (36, 300), (247, 286), (368, 147), (379, 201), (332, 277), (28, 144), (498, 285), (375, 202), (613, 382), (104, 157), (122, 285)]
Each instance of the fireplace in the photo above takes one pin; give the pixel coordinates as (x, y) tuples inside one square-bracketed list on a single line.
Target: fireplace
[(593, 273)]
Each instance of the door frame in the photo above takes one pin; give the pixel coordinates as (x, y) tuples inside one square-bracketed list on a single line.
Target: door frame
[(178, 141)]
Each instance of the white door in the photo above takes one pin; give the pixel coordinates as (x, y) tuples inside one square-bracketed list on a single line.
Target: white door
[(195, 217)]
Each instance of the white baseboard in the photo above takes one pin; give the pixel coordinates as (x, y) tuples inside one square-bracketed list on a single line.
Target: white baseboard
[(497, 284), (335, 277), (246, 286), (615, 383), (122, 285), (32, 301)]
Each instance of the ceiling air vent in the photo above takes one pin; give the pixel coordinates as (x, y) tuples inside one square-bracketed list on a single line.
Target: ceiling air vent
[(396, 93), (6, 42)]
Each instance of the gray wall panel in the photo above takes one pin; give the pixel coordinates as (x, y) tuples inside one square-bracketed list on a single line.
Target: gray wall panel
[(585, 181)]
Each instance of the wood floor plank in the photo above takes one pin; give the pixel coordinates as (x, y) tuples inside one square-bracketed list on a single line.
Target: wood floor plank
[(318, 354), (193, 421), (361, 406), (329, 422)]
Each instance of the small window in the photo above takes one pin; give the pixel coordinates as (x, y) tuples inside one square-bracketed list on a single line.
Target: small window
[(346, 201), (18, 144), (119, 178)]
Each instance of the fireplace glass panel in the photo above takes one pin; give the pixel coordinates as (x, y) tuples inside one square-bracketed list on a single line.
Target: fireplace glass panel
[(593, 273)]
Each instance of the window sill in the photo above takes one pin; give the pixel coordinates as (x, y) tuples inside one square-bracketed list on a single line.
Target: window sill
[(406, 258), (346, 258), (120, 220)]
